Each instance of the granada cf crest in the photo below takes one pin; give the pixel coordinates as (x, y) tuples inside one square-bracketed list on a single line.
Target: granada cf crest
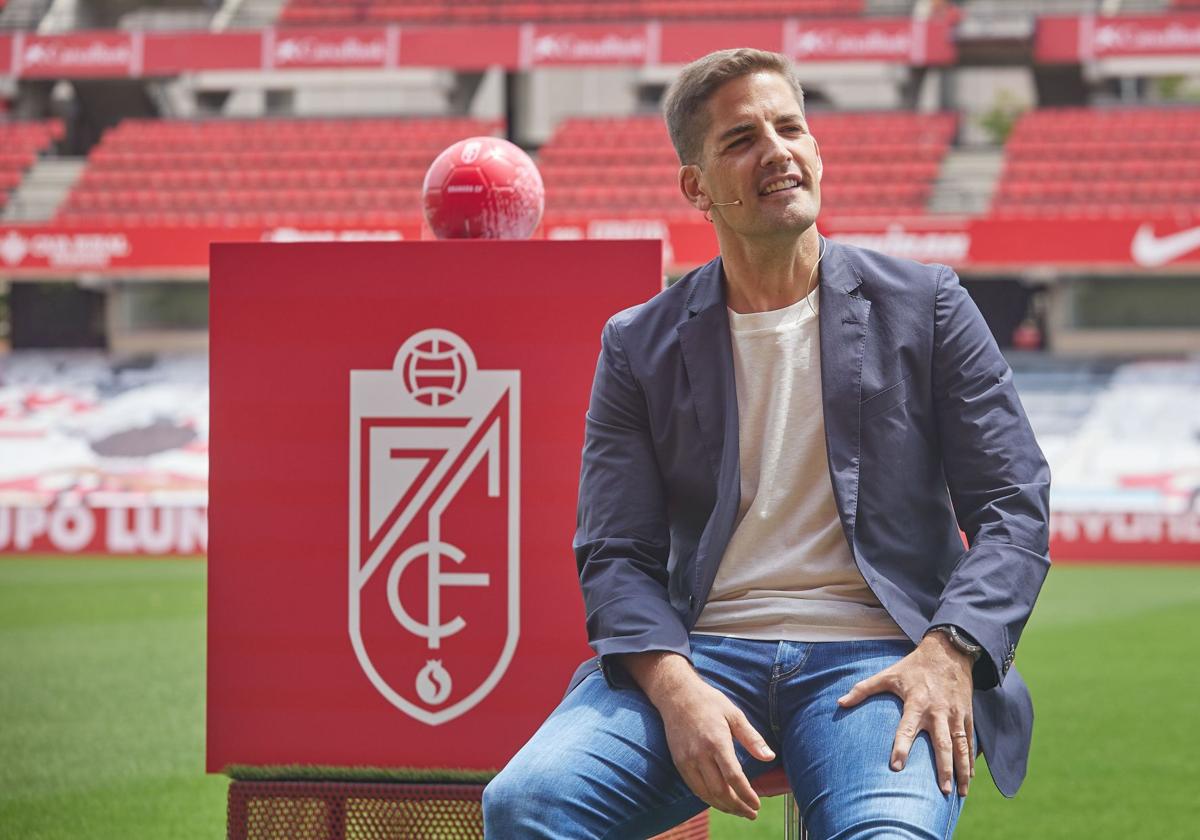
[(434, 515)]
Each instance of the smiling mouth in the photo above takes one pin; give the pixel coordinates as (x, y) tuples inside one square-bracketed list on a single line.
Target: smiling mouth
[(781, 186)]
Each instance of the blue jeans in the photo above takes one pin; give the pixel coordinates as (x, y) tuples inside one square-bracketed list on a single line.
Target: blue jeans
[(599, 766)]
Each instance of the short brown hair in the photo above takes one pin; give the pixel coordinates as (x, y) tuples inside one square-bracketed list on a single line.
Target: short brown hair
[(686, 103)]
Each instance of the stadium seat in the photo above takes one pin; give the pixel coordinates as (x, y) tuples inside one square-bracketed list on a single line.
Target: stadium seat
[(20, 144), (1089, 163), (261, 172), (876, 165), (775, 783)]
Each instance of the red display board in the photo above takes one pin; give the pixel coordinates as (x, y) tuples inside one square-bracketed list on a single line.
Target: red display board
[(1137, 245), (465, 47), (145, 529), (1124, 537), (134, 527), (1087, 38), (396, 432)]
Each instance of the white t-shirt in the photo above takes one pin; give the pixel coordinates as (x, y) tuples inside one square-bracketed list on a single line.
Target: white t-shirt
[(787, 573)]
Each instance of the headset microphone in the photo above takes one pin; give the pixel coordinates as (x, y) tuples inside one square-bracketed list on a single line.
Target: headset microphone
[(726, 203)]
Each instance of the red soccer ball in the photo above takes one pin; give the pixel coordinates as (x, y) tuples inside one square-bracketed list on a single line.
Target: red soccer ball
[(483, 188)]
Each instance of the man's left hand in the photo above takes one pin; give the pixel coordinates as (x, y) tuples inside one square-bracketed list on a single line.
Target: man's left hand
[(935, 683)]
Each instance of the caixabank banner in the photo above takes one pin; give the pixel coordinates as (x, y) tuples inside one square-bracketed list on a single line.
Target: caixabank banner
[(395, 442)]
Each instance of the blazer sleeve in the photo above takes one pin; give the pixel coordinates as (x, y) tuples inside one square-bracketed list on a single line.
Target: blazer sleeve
[(622, 539), (998, 479)]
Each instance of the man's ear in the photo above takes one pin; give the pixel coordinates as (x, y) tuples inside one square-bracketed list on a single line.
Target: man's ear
[(692, 189)]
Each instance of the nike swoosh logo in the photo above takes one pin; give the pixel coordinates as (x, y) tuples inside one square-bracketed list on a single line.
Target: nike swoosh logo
[(1152, 251)]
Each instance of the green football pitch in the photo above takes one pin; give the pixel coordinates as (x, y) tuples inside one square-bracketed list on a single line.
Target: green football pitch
[(102, 707)]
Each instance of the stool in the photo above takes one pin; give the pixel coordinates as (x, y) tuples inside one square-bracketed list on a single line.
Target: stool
[(771, 783), (775, 783)]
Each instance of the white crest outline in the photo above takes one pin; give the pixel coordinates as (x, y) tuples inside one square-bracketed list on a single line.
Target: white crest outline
[(359, 573)]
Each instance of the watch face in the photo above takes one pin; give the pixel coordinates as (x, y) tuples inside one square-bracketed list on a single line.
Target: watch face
[(959, 640), (966, 640), (962, 644)]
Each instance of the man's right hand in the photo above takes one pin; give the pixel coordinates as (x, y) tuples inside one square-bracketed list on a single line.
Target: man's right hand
[(701, 724)]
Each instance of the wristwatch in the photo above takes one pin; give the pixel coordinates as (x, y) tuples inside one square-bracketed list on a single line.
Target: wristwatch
[(959, 639)]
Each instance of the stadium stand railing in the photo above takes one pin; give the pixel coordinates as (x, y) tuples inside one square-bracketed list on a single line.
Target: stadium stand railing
[(150, 17), (22, 14), (1033, 8), (326, 12), (1117, 163)]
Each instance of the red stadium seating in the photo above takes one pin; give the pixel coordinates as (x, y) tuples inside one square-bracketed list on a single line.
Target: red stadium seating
[(326, 12), (875, 165), (369, 171), (1087, 163), (261, 172), (20, 145)]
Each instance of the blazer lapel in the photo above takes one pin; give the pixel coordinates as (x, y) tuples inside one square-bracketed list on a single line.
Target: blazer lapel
[(708, 359), (843, 324), (707, 351)]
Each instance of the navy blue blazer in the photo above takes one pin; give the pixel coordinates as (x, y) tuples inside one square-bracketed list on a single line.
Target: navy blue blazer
[(925, 434)]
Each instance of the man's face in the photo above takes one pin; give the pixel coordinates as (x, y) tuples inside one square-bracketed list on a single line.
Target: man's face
[(758, 149)]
